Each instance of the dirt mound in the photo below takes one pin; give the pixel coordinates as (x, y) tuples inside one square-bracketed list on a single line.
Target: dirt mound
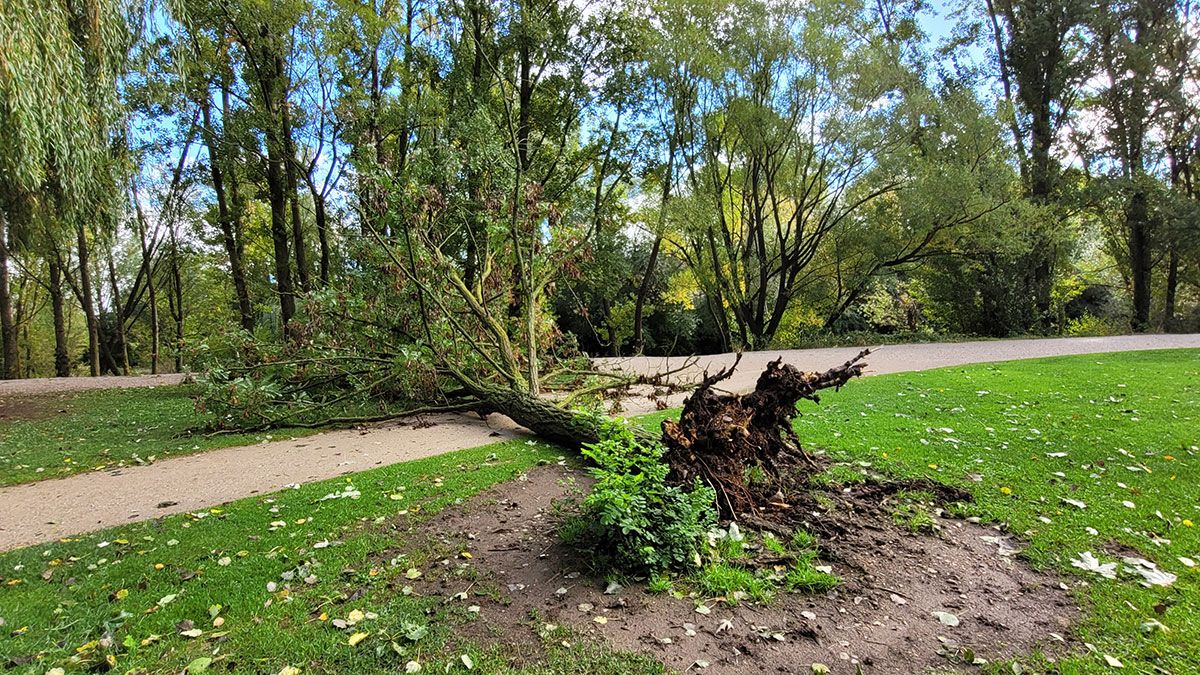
[(890, 614)]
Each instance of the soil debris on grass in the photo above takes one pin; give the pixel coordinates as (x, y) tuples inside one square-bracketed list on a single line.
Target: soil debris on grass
[(906, 601), (14, 408)]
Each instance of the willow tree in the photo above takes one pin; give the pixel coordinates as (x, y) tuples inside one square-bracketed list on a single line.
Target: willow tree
[(58, 103)]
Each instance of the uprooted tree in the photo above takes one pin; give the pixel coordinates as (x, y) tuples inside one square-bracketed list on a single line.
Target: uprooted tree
[(446, 308)]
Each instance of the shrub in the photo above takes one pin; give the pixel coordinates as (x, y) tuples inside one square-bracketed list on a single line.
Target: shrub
[(633, 520), (1089, 325)]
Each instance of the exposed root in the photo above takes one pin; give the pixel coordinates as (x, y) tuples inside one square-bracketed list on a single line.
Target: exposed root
[(744, 447)]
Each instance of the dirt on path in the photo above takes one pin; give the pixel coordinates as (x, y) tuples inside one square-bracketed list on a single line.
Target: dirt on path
[(51, 509)]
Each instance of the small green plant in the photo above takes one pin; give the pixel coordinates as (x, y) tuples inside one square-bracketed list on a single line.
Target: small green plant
[(803, 541), (912, 513), (731, 582), (726, 544), (632, 520), (772, 544), (659, 583), (806, 578)]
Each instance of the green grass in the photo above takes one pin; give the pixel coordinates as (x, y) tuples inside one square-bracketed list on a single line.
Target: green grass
[(108, 429), (1129, 425), (278, 570), (1008, 421), (730, 582)]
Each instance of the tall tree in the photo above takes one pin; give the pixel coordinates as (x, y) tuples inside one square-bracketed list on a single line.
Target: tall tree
[(1136, 43), (1040, 65)]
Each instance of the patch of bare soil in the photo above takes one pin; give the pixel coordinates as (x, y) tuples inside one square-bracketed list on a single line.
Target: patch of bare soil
[(16, 407), (883, 617)]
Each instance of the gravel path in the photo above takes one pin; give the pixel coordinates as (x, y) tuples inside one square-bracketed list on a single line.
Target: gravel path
[(51, 509), (54, 385)]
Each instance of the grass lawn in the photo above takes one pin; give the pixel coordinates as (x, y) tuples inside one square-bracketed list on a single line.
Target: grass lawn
[(105, 429), (276, 571)]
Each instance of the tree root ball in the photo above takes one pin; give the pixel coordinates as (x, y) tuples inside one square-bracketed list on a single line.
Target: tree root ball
[(745, 446)]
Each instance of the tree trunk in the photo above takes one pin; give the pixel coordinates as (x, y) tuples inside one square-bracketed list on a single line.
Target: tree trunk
[(177, 301), (88, 304), (273, 98), (1137, 220), (639, 305), (279, 230), (118, 314), (1168, 318), (8, 327), (62, 357), (540, 416), (322, 222), (227, 219), (289, 150)]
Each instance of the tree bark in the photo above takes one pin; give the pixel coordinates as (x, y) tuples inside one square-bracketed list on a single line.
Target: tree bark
[(8, 327), (540, 416), (62, 358), (176, 298), (87, 303), (118, 314), (277, 194), (1168, 319), (1137, 220), (322, 222), (227, 218), (293, 186), (148, 268)]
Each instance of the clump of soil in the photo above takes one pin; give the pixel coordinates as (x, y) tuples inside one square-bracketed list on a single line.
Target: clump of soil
[(16, 407), (890, 613)]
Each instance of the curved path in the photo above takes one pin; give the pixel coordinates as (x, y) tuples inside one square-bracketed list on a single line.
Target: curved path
[(51, 509), (53, 385)]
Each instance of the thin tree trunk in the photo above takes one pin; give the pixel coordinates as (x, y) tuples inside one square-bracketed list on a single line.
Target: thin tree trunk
[(1168, 318), (276, 190), (177, 301), (8, 328), (639, 305), (148, 266), (1137, 218), (289, 150), (118, 314), (62, 357), (227, 218), (322, 222), (88, 304)]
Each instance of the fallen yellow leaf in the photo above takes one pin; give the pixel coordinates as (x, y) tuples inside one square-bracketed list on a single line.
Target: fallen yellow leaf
[(357, 638)]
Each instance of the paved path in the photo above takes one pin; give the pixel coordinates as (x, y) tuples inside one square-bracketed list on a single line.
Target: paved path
[(47, 510), (54, 385)]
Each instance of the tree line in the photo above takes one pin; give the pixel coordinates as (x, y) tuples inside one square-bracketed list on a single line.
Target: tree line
[(503, 184)]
